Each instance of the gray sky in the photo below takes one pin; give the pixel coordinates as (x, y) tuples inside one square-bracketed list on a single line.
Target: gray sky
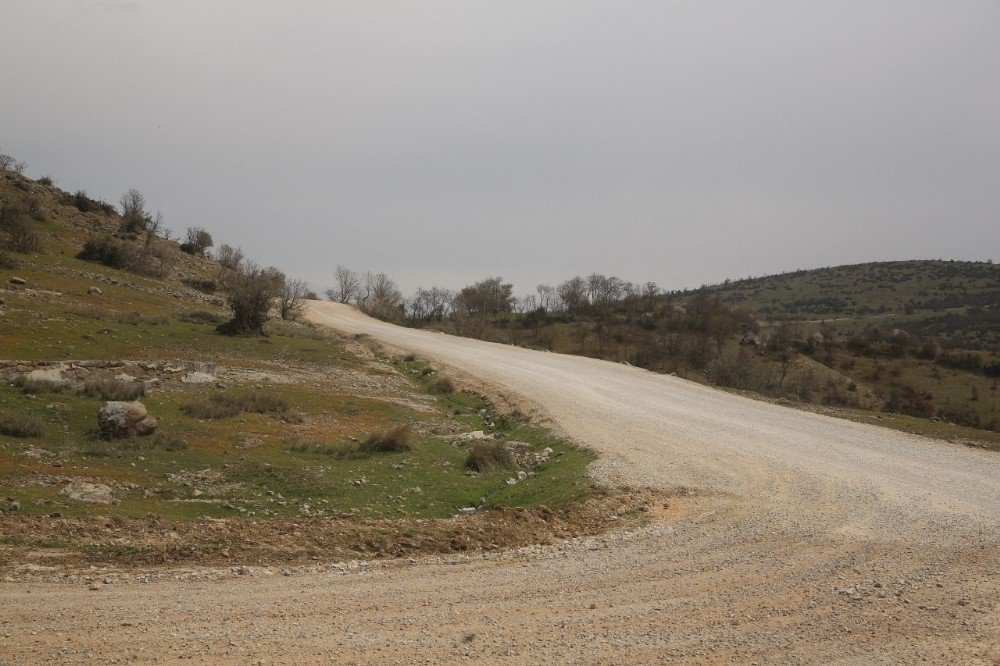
[(681, 142)]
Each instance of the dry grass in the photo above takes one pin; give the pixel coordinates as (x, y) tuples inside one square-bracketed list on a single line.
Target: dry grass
[(17, 424), (113, 389), (34, 386), (488, 456), (441, 385), (393, 440), (227, 405)]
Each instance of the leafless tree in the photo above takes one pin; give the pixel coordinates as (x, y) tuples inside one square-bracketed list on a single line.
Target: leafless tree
[(291, 299), (380, 296), (229, 259), (348, 286), (430, 304), (548, 298), (573, 293)]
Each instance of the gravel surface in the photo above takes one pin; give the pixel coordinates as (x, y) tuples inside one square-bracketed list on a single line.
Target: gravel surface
[(798, 538)]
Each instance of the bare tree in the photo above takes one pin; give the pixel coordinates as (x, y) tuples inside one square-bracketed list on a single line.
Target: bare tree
[(548, 298), (573, 293), (229, 259), (348, 286), (428, 304), (291, 299), (381, 297)]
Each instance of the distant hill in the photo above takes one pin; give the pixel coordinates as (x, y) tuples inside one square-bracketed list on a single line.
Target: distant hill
[(928, 297)]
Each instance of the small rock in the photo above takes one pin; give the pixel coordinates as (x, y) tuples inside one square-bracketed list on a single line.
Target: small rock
[(511, 481), (15, 506), (95, 291), (467, 511), (18, 280)]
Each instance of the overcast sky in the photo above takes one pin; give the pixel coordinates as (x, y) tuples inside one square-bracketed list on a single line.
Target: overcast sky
[(680, 142)]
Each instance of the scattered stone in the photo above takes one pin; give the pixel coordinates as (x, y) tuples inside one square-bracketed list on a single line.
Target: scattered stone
[(467, 511), (18, 280), (15, 506), (473, 436), (88, 492), (95, 291), (121, 420), (198, 378), (511, 481)]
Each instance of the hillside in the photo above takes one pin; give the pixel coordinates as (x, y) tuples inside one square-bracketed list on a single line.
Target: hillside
[(257, 437), (914, 345), (927, 297)]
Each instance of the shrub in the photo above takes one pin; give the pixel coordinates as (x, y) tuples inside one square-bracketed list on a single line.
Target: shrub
[(16, 424), (394, 440), (204, 286), (110, 251), (113, 389), (197, 241), (83, 203), (201, 317), (227, 405), (45, 180), (34, 385), (442, 385), (167, 442), (16, 231), (488, 456), (250, 292)]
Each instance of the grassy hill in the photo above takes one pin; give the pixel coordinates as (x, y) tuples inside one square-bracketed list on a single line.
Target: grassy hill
[(928, 297), (282, 428)]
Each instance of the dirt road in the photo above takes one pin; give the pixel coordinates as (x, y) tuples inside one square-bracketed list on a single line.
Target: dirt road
[(802, 538)]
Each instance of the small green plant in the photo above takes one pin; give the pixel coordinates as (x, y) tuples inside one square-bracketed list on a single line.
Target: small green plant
[(488, 456), (17, 424)]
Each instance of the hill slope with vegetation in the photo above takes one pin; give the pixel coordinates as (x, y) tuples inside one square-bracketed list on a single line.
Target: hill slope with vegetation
[(273, 441), (914, 345)]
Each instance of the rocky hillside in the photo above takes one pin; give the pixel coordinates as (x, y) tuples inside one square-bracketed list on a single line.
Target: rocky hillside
[(126, 417)]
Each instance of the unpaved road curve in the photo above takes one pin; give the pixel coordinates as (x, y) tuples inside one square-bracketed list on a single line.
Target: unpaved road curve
[(805, 539)]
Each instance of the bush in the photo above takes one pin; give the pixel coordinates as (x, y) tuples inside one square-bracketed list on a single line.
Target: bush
[(488, 456), (441, 385), (166, 441), (45, 180), (197, 241), (395, 440), (201, 317), (110, 251), (227, 405), (16, 232), (83, 203), (113, 389), (33, 385), (16, 424), (250, 292)]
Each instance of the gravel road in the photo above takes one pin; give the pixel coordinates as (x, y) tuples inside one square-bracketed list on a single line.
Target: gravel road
[(794, 537)]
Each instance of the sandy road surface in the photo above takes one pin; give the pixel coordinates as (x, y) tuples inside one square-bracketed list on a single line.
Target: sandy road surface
[(806, 538)]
